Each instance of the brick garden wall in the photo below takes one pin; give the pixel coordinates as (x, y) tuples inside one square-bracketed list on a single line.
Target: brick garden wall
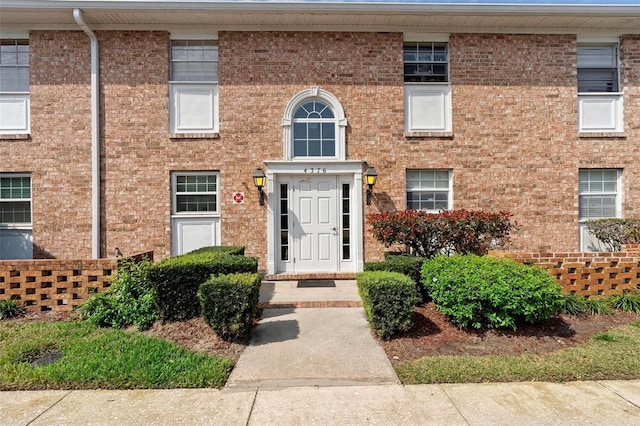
[(588, 274), (55, 284)]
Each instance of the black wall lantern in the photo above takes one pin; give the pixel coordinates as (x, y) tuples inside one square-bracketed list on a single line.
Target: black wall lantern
[(259, 180), (371, 177)]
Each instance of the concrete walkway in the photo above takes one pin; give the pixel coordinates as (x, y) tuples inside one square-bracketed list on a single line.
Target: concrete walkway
[(581, 403), (323, 366)]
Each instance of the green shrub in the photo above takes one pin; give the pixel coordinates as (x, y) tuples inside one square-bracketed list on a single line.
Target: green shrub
[(388, 299), (10, 309), (487, 292), (230, 250), (614, 232), (130, 299), (229, 303), (598, 306), (176, 280), (575, 304), (626, 302), (410, 266)]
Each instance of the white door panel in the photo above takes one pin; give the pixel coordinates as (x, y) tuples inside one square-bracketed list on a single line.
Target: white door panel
[(313, 221), (193, 233)]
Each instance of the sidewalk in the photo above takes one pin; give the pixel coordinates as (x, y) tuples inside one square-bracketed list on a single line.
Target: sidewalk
[(323, 366), (580, 403)]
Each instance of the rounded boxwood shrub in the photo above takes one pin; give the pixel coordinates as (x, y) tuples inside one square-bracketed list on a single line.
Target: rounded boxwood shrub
[(488, 292), (410, 266), (388, 299)]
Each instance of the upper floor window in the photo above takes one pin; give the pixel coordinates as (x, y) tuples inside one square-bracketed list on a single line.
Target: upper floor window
[(314, 126), (14, 86), (599, 97), (314, 130), (429, 190), (427, 92), (194, 88), (597, 69), (426, 62)]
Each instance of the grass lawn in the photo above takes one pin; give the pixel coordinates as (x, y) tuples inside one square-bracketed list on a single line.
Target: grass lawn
[(610, 355), (99, 358)]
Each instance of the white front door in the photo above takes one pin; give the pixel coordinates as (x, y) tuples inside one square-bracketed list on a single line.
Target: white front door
[(315, 225), (310, 238)]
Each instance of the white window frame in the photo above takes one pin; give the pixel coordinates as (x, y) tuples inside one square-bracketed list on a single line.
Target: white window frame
[(601, 112), (20, 233), (191, 97), (427, 105), (584, 233), (175, 193), (15, 108), (19, 225), (288, 120), (448, 190)]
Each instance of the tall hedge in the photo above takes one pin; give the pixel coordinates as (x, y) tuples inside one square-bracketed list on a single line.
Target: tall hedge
[(176, 280), (488, 292), (388, 299)]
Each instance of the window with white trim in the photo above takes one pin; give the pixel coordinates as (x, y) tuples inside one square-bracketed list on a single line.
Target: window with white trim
[(14, 86), (429, 190), (599, 95), (598, 198), (195, 193), (194, 86), (314, 130), (427, 87), (15, 216)]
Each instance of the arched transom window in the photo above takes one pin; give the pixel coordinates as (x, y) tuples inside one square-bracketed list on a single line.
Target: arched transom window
[(314, 130), (314, 127)]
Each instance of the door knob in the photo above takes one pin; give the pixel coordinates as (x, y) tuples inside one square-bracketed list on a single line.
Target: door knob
[(334, 229)]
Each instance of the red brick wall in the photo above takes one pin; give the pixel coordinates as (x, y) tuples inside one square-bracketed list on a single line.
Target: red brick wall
[(515, 143), (59, 152)]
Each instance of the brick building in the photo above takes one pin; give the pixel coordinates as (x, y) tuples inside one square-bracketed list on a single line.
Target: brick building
[(139, 125)]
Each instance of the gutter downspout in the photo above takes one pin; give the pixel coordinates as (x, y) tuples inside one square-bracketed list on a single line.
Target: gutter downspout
[(95, 136)]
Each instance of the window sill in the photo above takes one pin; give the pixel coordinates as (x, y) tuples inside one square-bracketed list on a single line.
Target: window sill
[(180, 136), (446, 135), (15, 137), (602, 135)]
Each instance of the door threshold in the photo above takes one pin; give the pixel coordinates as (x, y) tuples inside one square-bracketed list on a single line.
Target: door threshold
[(311, 276)]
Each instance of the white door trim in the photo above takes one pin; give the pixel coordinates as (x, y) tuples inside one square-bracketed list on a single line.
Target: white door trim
[(301, 168)]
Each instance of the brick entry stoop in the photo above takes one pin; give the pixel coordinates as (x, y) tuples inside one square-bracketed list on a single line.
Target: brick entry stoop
[(287, 294)]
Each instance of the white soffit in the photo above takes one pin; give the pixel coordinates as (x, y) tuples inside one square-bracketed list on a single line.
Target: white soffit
[(377, 15)]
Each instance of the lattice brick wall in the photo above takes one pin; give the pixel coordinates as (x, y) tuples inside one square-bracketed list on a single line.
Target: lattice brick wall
[(589, 274), (56, 285)]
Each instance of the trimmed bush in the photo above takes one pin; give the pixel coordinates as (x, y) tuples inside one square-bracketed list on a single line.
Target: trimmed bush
[(410, 266), (487, 292), (229, 303), (451, 231), (130, 299), (229, 250), (614, 232), (388, 299), (176, 280)]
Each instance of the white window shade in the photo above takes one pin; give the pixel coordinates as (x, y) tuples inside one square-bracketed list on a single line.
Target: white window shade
[(600, 113), (428, 107), (14, 114), (194, 108)]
